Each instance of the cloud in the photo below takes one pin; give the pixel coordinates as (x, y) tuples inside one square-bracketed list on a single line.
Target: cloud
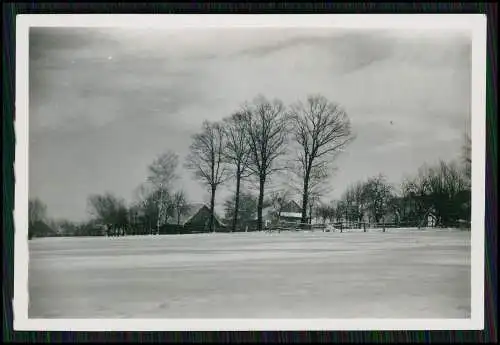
[(74, 83)]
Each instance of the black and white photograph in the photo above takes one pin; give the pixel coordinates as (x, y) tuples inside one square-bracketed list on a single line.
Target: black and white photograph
[(252, 171)]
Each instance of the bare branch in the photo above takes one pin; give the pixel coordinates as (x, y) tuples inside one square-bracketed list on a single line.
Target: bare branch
[(206, 157), (163, 170), (207, 160), (265, 124), (322, 130)]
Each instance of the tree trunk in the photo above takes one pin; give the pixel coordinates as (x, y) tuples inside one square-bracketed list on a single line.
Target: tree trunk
[(305, 197), (236, 200), (260, 204), (212, 207)]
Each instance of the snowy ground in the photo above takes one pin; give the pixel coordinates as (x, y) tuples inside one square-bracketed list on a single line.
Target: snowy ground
[(396, 274)]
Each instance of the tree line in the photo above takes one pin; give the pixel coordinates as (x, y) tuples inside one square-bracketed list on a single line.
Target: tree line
[(442, 190), (252, 142), (265, 138)]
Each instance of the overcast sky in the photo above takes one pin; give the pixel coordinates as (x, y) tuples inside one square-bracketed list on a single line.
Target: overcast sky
[(104, 103)]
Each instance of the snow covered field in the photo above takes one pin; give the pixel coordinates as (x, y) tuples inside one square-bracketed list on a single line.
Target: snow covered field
[(396, 274)]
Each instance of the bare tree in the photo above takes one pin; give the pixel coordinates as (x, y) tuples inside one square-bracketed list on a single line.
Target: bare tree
[(448, 191), (352, 203), (180, 205), (443, 189), (162, 173), (314, 201), (37, 211), (323, 211), (109, 209), (378, 196), (206, 159), (147, 203), (236, 153), (266, 128), (341, 211), (415, 191), (321, 129), (355, 198), (332, 212)]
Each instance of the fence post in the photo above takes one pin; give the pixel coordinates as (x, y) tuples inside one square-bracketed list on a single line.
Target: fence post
[(383, 226)]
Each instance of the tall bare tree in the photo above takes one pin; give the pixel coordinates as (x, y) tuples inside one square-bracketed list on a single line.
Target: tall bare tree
[(162, 173), (206, 160), (321, 129), (266, 127), (236, 153)]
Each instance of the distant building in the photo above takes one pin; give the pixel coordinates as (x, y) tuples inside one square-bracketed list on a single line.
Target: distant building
[(291, 213), (196, 215)]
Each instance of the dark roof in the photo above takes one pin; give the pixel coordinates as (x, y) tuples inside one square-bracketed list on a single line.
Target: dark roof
[(292, 206), (191, 211)]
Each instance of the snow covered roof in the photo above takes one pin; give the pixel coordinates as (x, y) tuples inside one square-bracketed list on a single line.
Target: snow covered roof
[(291, 214)]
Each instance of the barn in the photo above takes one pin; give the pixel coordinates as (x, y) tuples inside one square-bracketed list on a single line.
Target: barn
[(195, 218)]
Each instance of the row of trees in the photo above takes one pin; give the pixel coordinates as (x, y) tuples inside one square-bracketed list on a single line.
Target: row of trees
[(244, 145), (248, 144), (156, 201), (37, 217), (442, 190), (265, 138)]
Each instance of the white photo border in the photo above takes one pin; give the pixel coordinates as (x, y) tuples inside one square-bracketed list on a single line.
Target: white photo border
[(475, 24)]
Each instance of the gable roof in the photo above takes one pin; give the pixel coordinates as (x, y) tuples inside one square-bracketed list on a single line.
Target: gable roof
[(293, 207), (191, 211)]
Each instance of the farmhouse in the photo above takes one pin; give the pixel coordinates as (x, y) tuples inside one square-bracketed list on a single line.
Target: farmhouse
[(196, 217), (290, 213)]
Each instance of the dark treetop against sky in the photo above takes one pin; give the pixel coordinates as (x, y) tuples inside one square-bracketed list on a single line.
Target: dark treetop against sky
[(105, 102)]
